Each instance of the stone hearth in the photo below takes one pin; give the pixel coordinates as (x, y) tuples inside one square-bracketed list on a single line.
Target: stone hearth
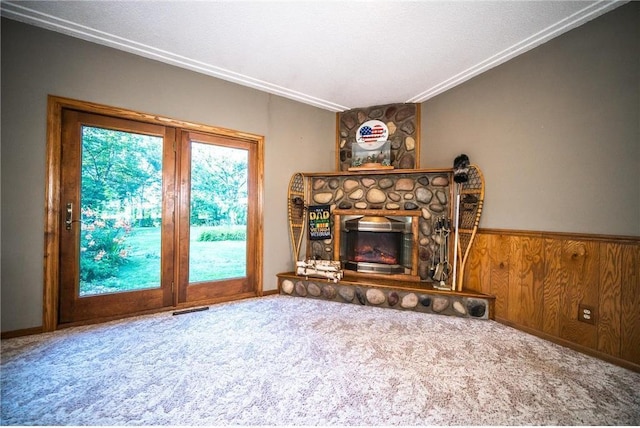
[(399, 295)]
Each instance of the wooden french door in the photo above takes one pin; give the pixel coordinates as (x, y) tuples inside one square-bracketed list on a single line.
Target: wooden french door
[(220, 171), (148, 220)]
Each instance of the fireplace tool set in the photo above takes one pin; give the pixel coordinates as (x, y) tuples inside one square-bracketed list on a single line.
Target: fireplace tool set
[(439, 272)]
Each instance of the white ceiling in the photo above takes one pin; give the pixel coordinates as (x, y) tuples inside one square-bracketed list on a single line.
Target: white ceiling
[(336, 55)]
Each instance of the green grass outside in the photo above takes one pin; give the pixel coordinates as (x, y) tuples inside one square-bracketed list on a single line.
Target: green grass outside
[(208, 261)]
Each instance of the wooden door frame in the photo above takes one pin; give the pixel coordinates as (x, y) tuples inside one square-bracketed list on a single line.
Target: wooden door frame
[(53, 209)]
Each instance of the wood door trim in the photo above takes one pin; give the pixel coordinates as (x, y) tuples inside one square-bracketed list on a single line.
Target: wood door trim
[(51, 264)]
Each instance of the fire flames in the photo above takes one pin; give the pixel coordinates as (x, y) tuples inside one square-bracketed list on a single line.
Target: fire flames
[(369, 253)]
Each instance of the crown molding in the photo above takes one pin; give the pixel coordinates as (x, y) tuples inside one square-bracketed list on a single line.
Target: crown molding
[(20, 12)]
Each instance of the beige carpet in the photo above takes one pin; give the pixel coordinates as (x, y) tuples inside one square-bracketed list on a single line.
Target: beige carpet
[(284, 360)]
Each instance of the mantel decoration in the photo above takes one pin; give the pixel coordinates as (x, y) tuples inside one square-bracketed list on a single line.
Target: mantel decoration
[(393, 128), (372, 149)]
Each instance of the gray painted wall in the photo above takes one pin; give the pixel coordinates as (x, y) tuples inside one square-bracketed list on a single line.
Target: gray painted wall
[(36, 63), (556, 131)]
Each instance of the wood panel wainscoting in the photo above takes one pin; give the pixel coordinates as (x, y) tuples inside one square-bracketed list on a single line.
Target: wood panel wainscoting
[(543, 281)]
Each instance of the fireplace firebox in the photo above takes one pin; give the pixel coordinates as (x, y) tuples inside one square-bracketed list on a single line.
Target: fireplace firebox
[(377, 244)]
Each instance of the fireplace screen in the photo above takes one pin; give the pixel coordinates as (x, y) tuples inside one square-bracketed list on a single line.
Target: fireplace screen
[(377, 244)]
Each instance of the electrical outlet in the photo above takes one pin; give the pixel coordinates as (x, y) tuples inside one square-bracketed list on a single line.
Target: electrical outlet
[(586, 314)]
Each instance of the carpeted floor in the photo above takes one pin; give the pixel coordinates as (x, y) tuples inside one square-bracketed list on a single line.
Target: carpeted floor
[(283, 360)]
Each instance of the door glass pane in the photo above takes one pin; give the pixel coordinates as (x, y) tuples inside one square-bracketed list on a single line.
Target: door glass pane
[(121, 205), (218, 222)]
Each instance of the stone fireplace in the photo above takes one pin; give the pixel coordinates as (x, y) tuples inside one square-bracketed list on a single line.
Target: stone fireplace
[(388, 225), (384, 234), (375, 214)]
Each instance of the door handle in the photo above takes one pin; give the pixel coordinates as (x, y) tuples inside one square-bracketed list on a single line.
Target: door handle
[(69, 215)]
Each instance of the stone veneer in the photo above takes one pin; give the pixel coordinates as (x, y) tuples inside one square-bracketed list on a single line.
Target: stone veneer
[(454, 304), (403, 121), (426, 191)]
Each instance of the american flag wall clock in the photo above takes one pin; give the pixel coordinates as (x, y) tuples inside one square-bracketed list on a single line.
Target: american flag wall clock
[(372, 135)]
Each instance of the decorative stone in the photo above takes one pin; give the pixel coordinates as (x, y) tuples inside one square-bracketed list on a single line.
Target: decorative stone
[(361, 205), (356, 194), (375, 297), (390, 112), (440, 304), (376, 196), (318, 183), (385, 183), (287, 286), (408, 127), (424, 241), (346, 293), (339, 194), (329, 292), (459, 308), (396, 142), (423, 195), (425, 228), (441, 196), (423, 270), (345, 205), (393, 298), (361, 117), (404, 184), (343, 142), (409, 301), (476, 309), (406, 161), (360, 296), (322, 198), (424, 180), (436, 208), (410, 143), (393, 206), (405, 113), (426, 214), (368, 182), (350, 184), (408, 196), (424, 253), (392, 128), (394, 196), (313, 289), (410, 206), (334, 183), (349, 121), (375, 113), (375, 206), (425, 301), (300, 289), (317, 248), (440, 181)]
